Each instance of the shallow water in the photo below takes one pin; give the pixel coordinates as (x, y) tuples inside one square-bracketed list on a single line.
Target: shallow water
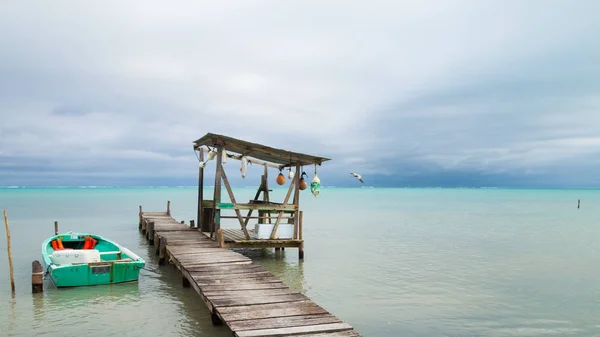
[(391, 262)]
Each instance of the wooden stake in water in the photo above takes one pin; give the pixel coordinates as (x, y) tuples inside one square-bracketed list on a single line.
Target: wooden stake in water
[(578, 202), (12, 277)]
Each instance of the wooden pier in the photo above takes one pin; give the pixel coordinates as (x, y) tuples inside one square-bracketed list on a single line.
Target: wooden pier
[(239, 293)]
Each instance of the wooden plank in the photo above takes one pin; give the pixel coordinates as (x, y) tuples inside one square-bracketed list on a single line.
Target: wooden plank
[(347, 333), (192, 250), (218, 277), (270, 310), (248, 280), (332, 327), (256, 292), (227, 268), (282, 322), (239, 300), (191, 266), (244, 286)]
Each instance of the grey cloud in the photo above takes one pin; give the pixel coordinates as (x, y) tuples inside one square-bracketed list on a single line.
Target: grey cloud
[(412, 90)]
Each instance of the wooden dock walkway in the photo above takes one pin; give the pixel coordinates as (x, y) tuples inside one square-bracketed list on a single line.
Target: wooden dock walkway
[(242, 294)]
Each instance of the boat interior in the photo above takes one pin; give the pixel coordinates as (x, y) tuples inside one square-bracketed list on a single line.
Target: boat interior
[(75, 250)]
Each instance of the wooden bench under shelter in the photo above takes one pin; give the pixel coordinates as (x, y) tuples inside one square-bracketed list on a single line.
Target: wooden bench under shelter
[(211, 212)]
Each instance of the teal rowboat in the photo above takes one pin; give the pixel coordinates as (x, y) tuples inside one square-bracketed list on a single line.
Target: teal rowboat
[(106, 263)]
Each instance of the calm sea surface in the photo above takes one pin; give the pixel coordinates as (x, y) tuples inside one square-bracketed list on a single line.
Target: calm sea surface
[(391, 262)]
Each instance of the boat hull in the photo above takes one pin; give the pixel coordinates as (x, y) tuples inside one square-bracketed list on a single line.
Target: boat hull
[(98, 273)]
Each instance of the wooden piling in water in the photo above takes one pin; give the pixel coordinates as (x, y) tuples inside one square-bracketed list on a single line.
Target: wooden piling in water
[(140, 217), (301, 248), (578, 203), (150, 232), (37, 277), (10, 264), (168, 207), (55, 227)]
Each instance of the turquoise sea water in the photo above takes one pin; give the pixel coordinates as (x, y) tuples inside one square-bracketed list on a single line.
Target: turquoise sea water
[(391, 262)]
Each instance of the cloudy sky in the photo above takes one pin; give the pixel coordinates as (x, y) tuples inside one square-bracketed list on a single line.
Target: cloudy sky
[(408, 93)]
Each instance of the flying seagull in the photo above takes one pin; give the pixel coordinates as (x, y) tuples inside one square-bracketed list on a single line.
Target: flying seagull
[(357, 176)]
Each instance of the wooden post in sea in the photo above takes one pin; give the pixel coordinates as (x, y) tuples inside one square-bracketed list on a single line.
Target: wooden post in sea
[(168, 207), (301, 248), (37, 277), (55, 227), (578, 203), (12, 276), (140, 217)]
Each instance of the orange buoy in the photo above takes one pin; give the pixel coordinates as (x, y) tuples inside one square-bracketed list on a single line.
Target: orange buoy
[(280, 179)]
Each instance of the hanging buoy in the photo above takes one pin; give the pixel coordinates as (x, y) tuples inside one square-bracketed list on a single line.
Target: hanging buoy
[(302, 183), (315, 184), (211, 154), (291, 173), (280, 178), (244, 167), (202, 164)]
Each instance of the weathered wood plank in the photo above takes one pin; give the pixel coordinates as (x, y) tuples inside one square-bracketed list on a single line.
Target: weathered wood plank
[(283, 322), (261, 292), (332, 327), (243, 286), (270, 310), (224, 277), (226, 268), (258, 280), (347, 333), (248, 300)]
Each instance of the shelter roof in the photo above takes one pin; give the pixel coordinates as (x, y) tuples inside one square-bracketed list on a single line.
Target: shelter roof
[(259, 151)]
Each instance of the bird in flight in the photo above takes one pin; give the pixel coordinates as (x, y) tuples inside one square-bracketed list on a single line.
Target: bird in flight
[(356, 175)]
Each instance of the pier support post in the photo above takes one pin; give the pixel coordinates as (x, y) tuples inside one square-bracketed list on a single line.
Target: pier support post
[(168, 207), (55, 227), (215, 319), (578, 203), (220, 238), (192, 223), (140, 227), (150, 233), (37, 277), (156, 243), (162, 250), (144, 224), (301, 248), (185, 282)]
